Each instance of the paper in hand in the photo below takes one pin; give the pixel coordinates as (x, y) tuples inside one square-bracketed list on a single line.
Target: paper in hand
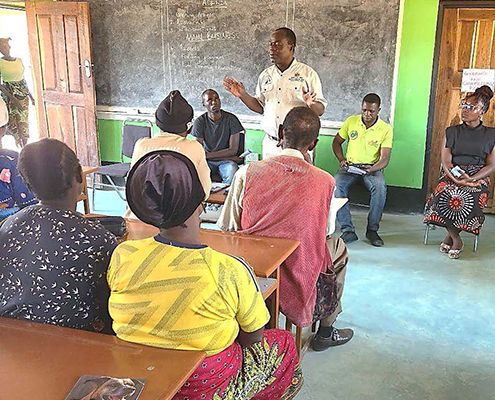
[(355, 170)]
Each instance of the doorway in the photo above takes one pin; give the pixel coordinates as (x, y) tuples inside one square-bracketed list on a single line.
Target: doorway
[(13, 25), (466, 40)]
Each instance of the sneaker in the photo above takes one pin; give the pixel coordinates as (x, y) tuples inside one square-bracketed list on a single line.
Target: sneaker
[(349, 237), (373, 237), (330, 337)]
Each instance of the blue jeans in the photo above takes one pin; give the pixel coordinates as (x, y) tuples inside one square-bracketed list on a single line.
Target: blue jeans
[(375, 183), (225, 168)]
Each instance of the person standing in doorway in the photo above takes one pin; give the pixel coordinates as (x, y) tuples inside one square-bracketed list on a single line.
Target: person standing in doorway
[(285, 85), (15, 92)]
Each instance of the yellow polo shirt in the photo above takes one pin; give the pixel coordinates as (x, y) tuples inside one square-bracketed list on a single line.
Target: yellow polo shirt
[(364, 144), (177, 296)]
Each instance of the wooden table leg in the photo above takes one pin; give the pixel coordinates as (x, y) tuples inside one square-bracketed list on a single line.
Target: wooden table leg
[(273, 302), (84, 197), (86, 200)]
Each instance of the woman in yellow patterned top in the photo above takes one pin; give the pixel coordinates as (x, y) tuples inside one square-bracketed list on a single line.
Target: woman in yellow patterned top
[(170, 291), (15, 92)]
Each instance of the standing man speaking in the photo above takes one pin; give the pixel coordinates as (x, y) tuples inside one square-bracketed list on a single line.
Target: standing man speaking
[(285, 85)]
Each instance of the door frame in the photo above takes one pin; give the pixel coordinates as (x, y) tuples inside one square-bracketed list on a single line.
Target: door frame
[(444, 4)]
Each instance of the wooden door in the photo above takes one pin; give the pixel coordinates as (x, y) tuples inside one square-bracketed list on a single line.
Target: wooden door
[(467, 41), (60, 47)]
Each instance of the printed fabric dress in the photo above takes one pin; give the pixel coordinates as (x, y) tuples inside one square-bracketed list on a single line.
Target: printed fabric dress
[(54, 264), (462, 206)]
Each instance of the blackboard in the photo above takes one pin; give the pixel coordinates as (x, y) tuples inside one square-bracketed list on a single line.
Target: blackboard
[(142, 49)]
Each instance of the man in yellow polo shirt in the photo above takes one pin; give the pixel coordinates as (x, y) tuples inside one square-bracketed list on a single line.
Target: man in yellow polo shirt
[(368, 153)]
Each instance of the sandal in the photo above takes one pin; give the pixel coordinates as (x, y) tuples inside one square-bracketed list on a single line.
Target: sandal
[(444, 248), (454, 254)]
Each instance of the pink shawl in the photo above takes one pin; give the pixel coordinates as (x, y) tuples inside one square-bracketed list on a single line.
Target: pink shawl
[(286, 197)]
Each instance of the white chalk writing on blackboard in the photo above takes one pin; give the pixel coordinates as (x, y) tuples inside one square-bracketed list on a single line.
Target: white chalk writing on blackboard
[(214, 3)]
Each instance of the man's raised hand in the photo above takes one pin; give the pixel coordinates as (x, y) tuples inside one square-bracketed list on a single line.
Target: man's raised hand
[(309, 96), (234, 87)]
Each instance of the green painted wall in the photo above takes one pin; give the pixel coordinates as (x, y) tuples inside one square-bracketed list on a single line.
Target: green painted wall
[(253, 140), (325, 159), (110, 137), (411, 107), (413, 93), (110, 133)]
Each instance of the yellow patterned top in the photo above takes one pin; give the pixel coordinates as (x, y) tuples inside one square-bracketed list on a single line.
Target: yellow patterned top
[(178, 296), (11, 71)]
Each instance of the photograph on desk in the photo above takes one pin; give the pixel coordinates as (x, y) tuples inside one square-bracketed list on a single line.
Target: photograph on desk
[(94, 387)]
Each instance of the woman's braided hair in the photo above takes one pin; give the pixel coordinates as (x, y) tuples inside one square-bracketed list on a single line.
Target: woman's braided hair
[(483, 95), (48, 168)]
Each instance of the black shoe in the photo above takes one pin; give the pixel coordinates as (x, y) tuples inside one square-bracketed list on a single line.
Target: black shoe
[(374, 238), (349, 237), (335, 337)]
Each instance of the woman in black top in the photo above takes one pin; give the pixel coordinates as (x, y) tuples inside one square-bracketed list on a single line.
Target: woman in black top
[(53, 262), (468, 159)]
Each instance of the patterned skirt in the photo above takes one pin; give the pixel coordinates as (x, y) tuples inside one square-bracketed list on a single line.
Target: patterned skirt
[(18, 111), (265, 370), (461, 207)]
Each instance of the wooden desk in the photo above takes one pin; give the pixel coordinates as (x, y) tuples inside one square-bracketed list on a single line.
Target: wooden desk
[(84, 197), (217, 197), (43, 362), (267, 286), (264, 254)]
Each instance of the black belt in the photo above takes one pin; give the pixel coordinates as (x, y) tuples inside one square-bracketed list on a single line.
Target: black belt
[(361, 165)]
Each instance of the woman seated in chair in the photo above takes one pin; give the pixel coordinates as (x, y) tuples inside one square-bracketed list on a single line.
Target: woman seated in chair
[(53, 261), (14, 195), (170, 291), (468, 159)]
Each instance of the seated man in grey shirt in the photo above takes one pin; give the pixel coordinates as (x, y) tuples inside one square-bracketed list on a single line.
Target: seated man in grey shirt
[(221, 135)]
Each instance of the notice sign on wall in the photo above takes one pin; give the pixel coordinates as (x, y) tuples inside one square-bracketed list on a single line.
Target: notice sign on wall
[(472, 79)]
